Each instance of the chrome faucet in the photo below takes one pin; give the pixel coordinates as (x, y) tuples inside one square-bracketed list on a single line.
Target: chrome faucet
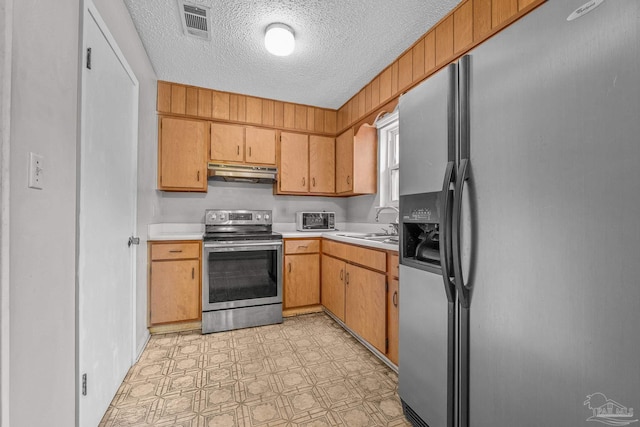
[(382, 208), (397, 220)]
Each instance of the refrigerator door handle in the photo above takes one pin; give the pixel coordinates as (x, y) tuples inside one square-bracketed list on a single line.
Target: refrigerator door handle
[(464, 291), (445, 227)]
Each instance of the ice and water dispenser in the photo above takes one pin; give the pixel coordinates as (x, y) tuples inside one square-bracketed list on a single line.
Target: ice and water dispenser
[(420, 218)]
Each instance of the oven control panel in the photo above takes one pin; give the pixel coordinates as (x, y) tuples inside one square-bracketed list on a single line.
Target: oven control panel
[(237, 217)]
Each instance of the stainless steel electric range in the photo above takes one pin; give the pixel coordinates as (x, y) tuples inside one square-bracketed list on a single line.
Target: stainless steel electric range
[(242, 270)]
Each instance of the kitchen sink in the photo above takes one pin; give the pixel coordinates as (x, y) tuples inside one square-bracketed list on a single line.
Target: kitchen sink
[(378, 237)]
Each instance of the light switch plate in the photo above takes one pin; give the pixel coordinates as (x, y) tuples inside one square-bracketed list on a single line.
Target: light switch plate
[(36, 171)]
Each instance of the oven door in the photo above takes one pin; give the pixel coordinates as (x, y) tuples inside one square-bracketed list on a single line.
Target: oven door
[(241, 274)]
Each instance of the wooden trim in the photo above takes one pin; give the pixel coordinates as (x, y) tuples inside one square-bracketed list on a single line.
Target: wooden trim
[(481, 30), (175, 327), (291, 312)]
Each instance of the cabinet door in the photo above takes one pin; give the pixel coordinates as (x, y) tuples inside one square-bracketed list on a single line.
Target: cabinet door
[(260, 146), (365, 164), (174, 291), (333, 272), (344, 162), (227, 142), (322, 164), (393, 313), (301, 280), (294, 162), (182, 159), (365, 304)]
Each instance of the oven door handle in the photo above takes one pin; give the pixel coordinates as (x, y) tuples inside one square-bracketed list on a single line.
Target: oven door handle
[(234, 247)]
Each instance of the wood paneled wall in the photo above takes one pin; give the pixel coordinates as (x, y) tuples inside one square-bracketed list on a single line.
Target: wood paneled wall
[(466, 26), (178, 99)]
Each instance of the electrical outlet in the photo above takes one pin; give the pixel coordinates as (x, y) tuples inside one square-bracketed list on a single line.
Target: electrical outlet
[(36, 171)]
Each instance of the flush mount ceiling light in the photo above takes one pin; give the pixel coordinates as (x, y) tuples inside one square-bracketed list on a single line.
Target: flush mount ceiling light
[(279, 39)]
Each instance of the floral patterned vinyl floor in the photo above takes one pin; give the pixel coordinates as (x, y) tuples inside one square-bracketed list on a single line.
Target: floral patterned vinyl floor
[(307, 371)]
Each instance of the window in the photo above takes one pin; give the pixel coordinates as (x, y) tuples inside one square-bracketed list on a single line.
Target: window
[(389, 139)]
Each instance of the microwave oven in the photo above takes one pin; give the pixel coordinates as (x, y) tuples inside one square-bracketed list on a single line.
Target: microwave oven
[(315, 221)]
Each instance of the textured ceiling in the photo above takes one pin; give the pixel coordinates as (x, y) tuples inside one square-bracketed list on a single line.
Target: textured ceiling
[(340, 44)]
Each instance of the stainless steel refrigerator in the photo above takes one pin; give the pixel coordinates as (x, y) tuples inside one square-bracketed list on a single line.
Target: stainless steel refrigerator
[(520, 164)]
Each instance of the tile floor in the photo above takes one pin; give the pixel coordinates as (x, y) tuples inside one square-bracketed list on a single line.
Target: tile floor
[(306, 371)]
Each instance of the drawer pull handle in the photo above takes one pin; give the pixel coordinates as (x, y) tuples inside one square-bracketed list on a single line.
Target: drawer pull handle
[(249, 151), (304, 182), (289, 267), (303, 247), (237, 149), (314, 181), (193, 273), (175, 251), (395, 299), (348, 180), (198, 175), (341, 274), (347, 278)]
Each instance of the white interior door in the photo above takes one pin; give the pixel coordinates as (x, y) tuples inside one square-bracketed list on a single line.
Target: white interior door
[(107, 211)]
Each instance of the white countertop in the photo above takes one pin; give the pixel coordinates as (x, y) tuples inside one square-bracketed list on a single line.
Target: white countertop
[(194, 231), (289, 232), (175, 231)]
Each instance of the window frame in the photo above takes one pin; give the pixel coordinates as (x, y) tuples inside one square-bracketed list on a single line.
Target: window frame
[(388, 133)]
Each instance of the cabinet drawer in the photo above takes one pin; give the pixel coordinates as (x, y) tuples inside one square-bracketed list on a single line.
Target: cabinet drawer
[(160, 251), (371, 258), (333, 248), (393, 261), (301, 246)]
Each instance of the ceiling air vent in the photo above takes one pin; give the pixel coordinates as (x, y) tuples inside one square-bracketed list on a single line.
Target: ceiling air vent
[(195, 20)]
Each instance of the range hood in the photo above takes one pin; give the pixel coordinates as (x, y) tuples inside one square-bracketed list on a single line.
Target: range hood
[(242, 173)]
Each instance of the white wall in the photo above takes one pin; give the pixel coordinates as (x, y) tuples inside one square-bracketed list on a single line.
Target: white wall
[(44, 119), (190, 207), (44, 108)]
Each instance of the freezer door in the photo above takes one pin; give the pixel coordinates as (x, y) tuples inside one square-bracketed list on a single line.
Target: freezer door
[(423, 364), (551, 218), (427, 115)]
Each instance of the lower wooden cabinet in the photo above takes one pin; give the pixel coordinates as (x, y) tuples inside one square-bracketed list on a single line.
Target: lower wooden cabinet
[(174, 282), (354, 294), (301, 273), (333, 285), (365, 304)]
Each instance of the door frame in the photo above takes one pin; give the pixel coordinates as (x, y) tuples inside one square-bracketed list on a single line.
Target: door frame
[(89, 11), (5, 146)]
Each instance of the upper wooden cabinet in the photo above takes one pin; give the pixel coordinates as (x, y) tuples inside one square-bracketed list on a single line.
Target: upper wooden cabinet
[(294, 163), (241, 144), (344, 162), (260, 146), (357, 161), (307, 164), (322, 164), (182, 159)]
